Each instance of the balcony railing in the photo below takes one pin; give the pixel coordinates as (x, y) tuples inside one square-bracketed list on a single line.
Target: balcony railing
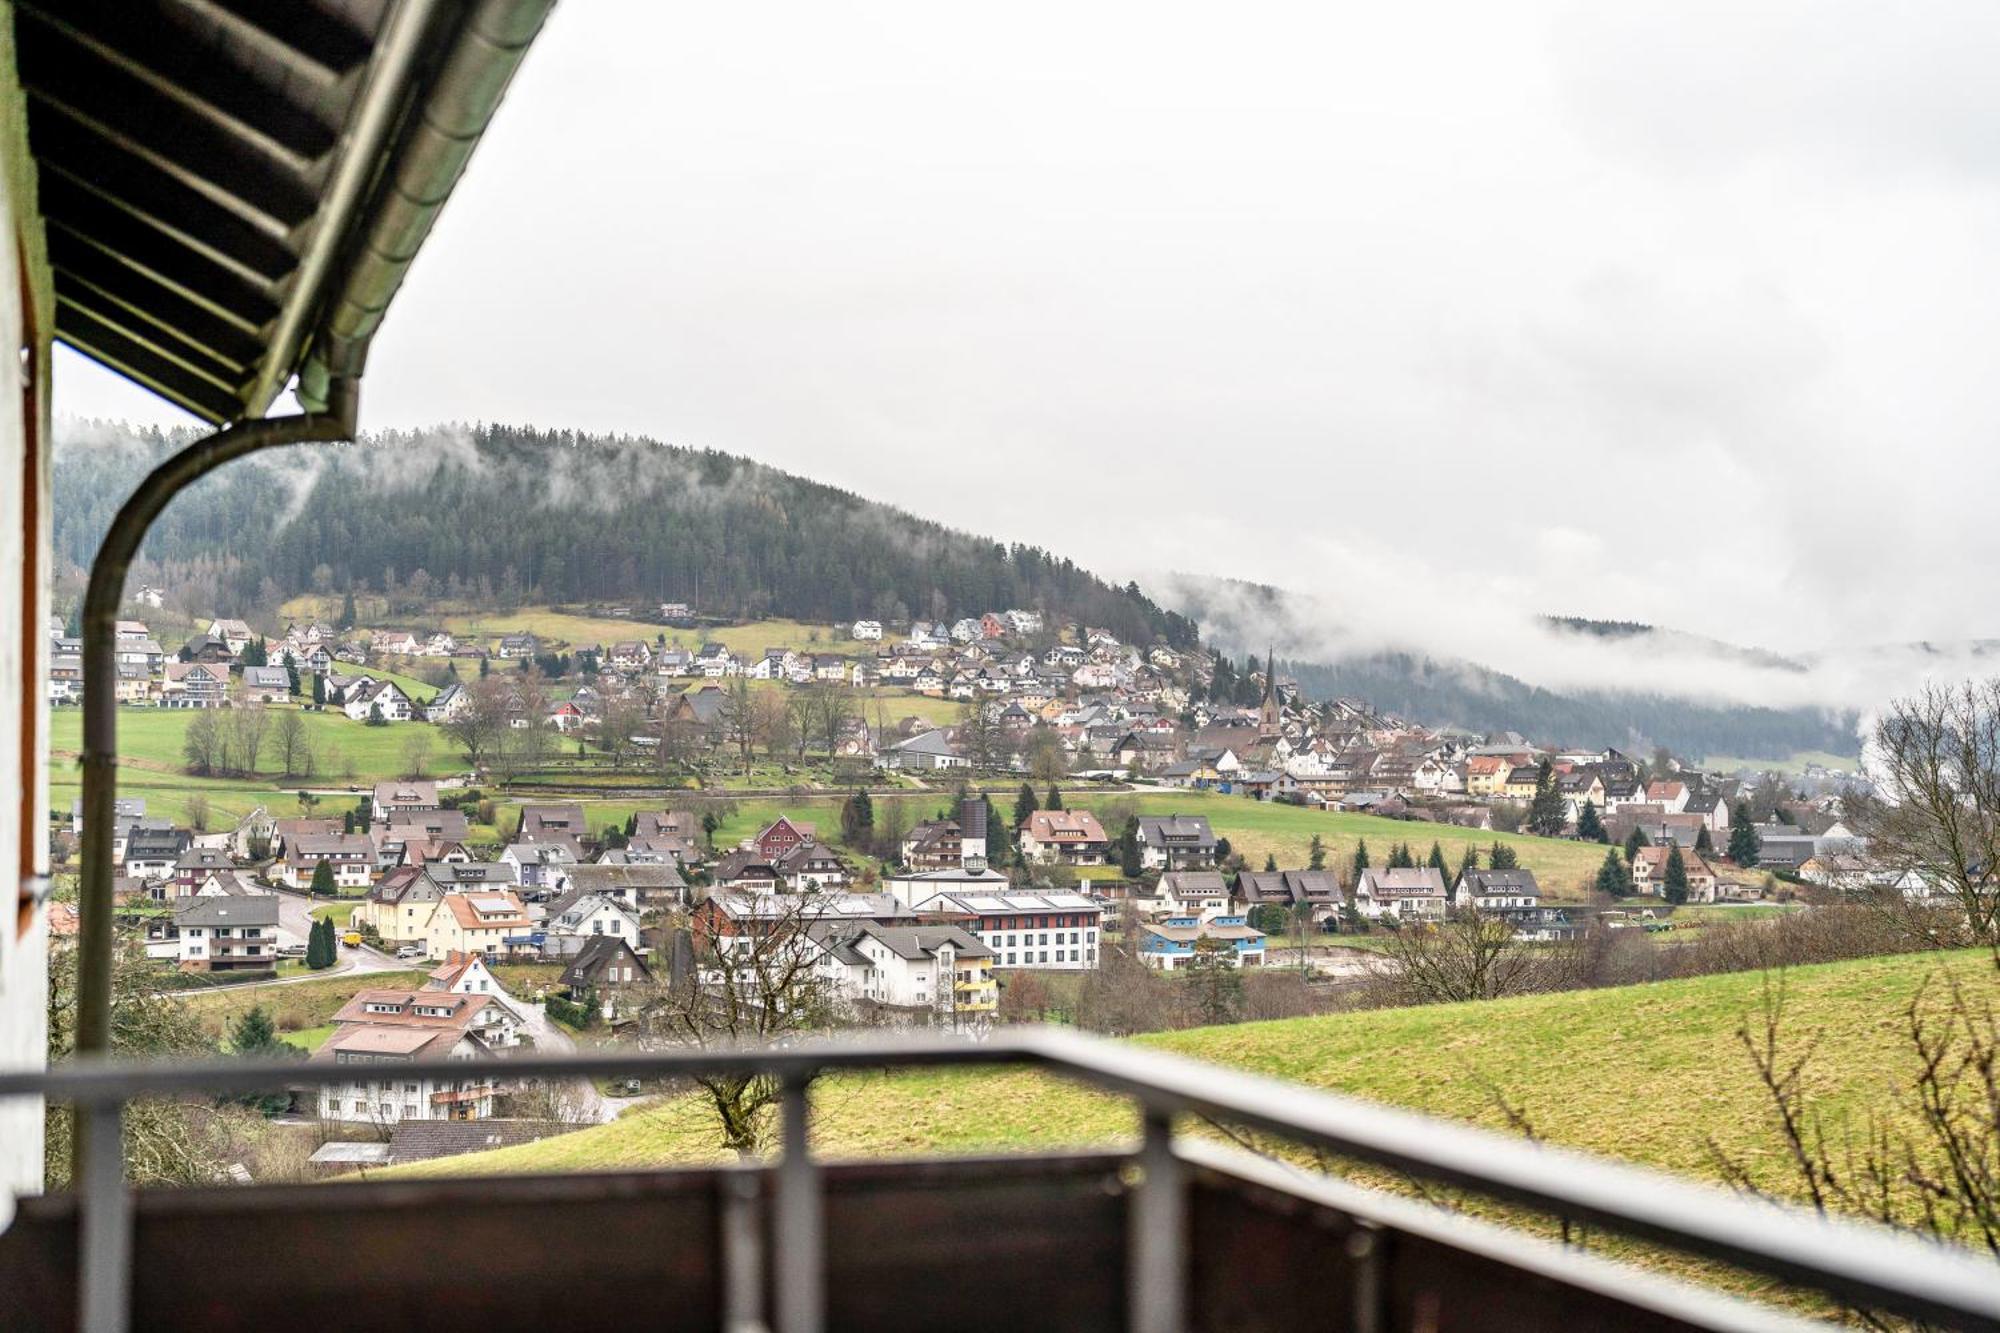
[(1177, 1233)]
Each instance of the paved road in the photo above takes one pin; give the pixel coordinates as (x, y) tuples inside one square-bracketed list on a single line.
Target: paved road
[(551, 1038)]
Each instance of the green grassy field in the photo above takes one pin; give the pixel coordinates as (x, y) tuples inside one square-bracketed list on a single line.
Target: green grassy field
[(1792, 764), (308, 1039), (152, 738), (294, 1007), (1260, 828), (1645, 1073), (573, 631)]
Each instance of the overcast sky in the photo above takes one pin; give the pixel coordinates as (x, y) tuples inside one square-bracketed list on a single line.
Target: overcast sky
[(1664, 310)]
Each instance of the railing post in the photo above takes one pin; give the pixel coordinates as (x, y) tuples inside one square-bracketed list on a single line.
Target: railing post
[(1156, 1270), (1364, 1247), (742, 1253), (104, 1268), (801, 1243)]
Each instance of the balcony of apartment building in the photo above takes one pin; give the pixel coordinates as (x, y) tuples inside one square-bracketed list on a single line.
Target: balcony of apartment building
[(1176, 1228)]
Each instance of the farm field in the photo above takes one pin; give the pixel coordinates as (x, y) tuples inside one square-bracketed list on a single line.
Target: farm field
[(1258, 828), (152, 738), (1792, 764), (571, 631), (1645, 1073)]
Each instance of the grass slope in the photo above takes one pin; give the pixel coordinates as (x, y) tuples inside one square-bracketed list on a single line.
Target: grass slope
[(1260, 828), (152, 738), (1645, 1073)]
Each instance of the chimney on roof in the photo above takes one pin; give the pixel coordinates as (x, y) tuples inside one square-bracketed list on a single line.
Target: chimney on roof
[(972, 833)]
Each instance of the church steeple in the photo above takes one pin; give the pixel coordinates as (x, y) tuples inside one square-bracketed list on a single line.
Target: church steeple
[(1270, 721)]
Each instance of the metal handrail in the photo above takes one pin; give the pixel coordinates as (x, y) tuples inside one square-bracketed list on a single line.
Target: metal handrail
[(1859, 1263)]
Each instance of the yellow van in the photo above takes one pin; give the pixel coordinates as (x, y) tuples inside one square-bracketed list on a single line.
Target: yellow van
[(352, 939)]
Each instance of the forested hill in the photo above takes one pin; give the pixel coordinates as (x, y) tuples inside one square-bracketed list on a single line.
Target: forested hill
[(1455, 691), (1462, 694), (519, 514)]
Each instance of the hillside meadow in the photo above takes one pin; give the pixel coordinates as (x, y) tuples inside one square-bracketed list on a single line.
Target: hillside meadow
[(1646, 1073)]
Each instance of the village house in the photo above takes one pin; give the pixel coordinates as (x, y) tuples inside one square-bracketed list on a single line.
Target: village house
[(580, 916), (351, 856), (1073, 837), (1196, 893), (399, 905), (868, 631), (540, 866), (393, 802), (194, 685), (1314, 891), (781, 835), (1413, 894), (383, 699), (1179, 941), (228, 932), (264, 685), (478, 921), (380, 1028), (1649, 873), (1497, 891), (939, 969), (233, 634), (927, 750), (1176, 842), (607, 969)]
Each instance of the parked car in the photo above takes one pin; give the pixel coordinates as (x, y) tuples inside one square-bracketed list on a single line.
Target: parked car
[(352, 939), (409, 951), (291, 951)]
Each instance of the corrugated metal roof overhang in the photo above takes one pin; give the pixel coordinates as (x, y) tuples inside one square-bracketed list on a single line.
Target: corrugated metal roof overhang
[(233, 189)]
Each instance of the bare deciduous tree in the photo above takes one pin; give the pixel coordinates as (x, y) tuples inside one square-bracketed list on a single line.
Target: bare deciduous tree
[(1937, 815), (756, 985), (251, 723), (1931, 1168), (1468, 956), (290, 736), (416, 752)]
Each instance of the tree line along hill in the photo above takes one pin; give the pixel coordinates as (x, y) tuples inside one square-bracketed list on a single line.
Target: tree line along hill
[(512, 514)]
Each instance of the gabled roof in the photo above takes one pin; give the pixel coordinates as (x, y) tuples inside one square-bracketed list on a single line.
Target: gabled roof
[(253, 909), (232, 193)]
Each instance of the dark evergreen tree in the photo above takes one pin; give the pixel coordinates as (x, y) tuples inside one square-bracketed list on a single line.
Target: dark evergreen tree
[(1129, 864), (1024, 804), (1547, 816), (1436, 860), (1675, 882), (1360, 858), (1502, 857), (1469, 863), (320, 944), (857, 820), (1589, 827), (1745, 847), (1614, 877), (346, 621), (1054, 800), (322, 878), (1703, 843), (319, 690), (253, 1034), (1633, 842), (1270, 861), (1316, 853)]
